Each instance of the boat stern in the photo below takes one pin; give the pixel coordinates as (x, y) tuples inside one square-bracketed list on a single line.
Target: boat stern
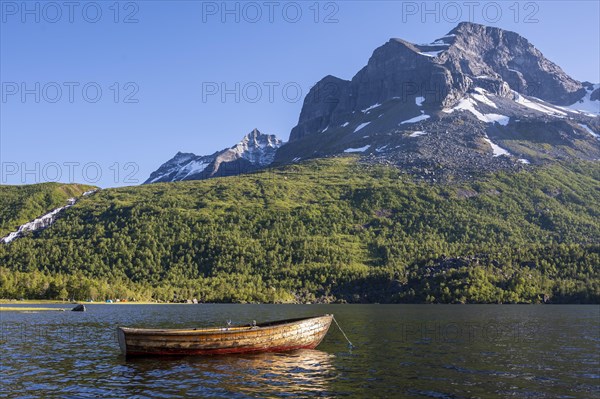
[(121, 339)]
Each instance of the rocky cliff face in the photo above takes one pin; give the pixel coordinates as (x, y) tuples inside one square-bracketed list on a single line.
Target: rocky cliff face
[(441, 72), (477, 99), (478, 50), (254, 151)]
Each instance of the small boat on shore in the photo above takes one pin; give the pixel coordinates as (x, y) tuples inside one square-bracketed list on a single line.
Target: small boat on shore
[(274, 336)]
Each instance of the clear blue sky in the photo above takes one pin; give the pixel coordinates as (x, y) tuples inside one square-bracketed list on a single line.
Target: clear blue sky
[(173, 52)]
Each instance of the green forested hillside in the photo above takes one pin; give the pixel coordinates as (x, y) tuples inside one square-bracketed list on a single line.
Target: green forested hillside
[(21, 204), (333, 230)]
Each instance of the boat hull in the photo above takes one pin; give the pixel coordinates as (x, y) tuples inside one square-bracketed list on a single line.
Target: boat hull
[(285, 335)]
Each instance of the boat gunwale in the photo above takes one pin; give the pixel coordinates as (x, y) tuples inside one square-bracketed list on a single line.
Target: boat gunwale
[(223, 330)]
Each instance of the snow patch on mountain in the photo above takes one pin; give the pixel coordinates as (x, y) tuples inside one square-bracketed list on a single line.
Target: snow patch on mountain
[(537, 106), (438, 43), (468, 104), (361, 149), (191, 168), (496, 149), (480, 96), (361, 126), (586, 104), (432, 54), (416, 119), (366, 110), (590, 131)]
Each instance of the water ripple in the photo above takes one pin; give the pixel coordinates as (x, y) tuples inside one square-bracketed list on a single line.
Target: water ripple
[(400, 352)]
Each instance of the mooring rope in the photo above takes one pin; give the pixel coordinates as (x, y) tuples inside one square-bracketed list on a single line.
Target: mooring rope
[(343, 333)]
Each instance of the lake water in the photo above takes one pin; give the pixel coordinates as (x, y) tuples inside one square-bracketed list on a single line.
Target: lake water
[(412, 351)]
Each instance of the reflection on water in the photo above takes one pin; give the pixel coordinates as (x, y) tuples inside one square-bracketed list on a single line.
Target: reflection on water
[(401, 351), (303, 373)]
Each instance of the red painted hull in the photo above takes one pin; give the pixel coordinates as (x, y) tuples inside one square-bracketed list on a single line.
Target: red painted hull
[(279, 336)]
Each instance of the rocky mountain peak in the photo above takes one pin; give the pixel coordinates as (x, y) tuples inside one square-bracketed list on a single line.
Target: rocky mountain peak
[(467, 27), (254, 151), (183, 155), (257, 140), (474, 100), (442, 73), (479, 50), (256, 147)]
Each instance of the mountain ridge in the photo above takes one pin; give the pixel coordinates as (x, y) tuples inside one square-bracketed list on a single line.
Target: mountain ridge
[(448, 110), (405, 70), (477, 99), (255, 151)]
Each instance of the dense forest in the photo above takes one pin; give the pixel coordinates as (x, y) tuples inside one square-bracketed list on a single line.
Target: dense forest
[(329, 230)]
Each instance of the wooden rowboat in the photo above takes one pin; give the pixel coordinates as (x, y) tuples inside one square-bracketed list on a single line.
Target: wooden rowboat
[(275, 336)]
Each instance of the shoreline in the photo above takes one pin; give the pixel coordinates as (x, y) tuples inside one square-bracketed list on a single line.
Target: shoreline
[(8, 303), (30, 309), (4, 302)]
